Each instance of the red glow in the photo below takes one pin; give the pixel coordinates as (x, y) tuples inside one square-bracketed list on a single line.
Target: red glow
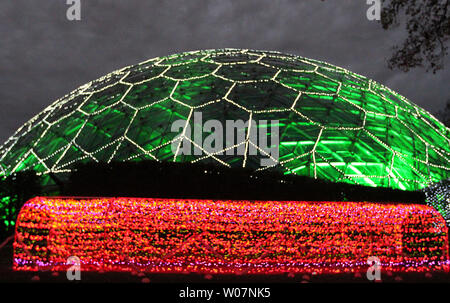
[(205, 236)]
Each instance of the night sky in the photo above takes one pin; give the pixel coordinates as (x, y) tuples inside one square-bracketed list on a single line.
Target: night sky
[(43, 56)]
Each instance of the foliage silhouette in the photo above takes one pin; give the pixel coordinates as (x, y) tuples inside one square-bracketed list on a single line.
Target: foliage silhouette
[(203, 181), (428, 27)]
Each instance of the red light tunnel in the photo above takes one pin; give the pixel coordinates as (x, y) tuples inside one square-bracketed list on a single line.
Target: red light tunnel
[(206, 236)]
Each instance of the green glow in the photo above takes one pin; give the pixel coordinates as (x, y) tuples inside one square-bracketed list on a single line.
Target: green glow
[(334, 124)]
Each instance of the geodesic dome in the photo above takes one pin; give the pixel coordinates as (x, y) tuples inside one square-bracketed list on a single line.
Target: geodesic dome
[(333, 124)]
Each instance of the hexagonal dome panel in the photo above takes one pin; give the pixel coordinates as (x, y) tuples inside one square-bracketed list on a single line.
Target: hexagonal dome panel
[(333, 124)]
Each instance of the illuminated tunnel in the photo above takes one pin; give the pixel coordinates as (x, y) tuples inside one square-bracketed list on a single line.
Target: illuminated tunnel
[(227, 237)]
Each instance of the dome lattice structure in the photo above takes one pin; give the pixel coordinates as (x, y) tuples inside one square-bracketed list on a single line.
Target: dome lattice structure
[(333, 124)]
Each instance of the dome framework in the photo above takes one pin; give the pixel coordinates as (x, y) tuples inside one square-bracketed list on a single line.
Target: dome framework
[(333, 124)]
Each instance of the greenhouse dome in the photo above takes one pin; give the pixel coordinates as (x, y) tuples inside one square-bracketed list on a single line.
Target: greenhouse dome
[(333, 124)]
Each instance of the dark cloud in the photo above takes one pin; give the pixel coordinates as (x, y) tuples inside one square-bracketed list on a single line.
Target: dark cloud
[(43, 56)]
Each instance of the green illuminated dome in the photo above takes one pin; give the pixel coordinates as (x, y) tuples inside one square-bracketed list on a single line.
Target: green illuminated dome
[(333, 124)]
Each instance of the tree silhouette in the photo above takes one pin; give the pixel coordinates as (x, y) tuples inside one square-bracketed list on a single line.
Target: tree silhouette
[(428, 26), (444, 114)]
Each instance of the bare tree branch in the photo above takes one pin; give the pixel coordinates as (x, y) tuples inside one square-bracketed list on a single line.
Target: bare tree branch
[(428, 26)]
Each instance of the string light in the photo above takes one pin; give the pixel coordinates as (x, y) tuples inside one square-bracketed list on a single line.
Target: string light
[(222, 237), (348, 117), (438, 196)]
